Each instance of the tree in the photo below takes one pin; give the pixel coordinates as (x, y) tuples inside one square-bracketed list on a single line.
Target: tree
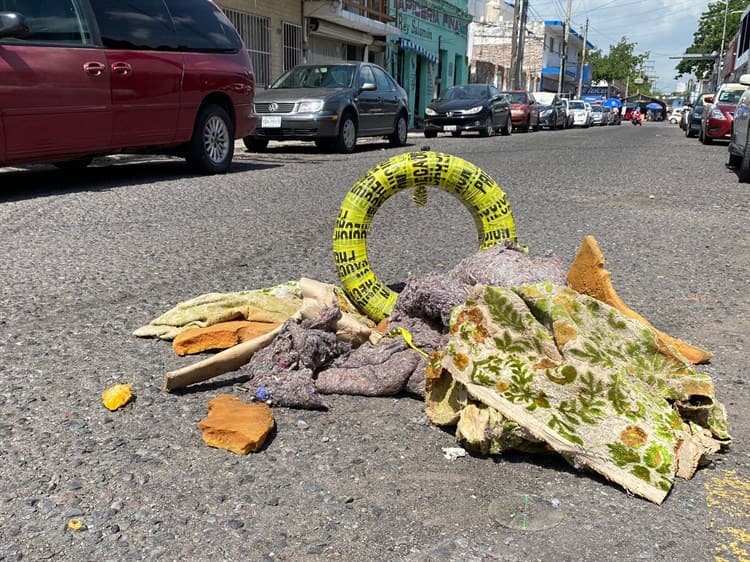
[(620, 63), (707, 38)]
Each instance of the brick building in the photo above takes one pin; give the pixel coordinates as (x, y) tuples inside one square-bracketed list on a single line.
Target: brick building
[(490, 55)]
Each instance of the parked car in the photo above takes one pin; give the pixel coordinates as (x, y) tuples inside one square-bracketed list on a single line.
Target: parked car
[(739, 141), (716, 122), (695, 115), (332, 105), (82, 78), (568, 112), (615, 117), (468, 107), (579, 113), (675, 115), (524, 109), (598, 117), (551, 110)]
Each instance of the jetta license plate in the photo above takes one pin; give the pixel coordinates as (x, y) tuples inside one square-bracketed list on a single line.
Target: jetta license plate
[(270, 122), (449, 127)]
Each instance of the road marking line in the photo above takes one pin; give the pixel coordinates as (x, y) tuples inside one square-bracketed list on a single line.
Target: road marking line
[(728, 497)]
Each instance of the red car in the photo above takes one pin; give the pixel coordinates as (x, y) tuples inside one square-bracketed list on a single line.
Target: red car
[(82, 78), (524, 110), (719, 113)]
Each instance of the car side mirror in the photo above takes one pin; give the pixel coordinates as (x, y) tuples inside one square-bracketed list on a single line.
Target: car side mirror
[(13, 24), (368, 87), (708, 99)]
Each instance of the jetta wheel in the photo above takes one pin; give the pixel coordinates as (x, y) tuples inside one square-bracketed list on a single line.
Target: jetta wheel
[(347, 139), (212, 147), (399, 134)]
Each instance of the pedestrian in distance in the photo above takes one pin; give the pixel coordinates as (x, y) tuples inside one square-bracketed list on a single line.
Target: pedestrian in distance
[(637, 117)]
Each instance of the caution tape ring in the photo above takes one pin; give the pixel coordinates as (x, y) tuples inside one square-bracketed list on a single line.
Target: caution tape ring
[(479, 193)]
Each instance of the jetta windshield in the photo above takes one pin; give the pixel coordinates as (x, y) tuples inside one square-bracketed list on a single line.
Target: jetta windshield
[(320, 76)]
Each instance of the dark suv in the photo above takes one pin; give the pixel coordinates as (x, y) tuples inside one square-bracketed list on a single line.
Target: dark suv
[(82, 78)]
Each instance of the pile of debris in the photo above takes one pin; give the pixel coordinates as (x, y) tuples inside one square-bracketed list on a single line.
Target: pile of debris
[(509, 348)]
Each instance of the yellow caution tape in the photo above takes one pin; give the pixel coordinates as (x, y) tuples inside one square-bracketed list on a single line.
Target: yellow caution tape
[(474, 188), (406, 334)]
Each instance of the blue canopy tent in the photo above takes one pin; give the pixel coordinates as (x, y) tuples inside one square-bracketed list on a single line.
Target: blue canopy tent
[(612, 102), (654, 105)]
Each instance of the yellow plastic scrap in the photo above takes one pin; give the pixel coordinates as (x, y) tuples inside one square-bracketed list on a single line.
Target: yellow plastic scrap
[(117, 396), (76, 524)]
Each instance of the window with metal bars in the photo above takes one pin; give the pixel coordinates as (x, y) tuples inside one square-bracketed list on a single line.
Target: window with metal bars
[(256, 33), (292, 45)]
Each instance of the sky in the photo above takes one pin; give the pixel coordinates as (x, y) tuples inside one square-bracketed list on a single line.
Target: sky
[(663, 28)]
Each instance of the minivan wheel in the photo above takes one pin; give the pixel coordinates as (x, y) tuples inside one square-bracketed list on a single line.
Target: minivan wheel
[(212, 147), (347, 139), (254, 144), (399, 134)]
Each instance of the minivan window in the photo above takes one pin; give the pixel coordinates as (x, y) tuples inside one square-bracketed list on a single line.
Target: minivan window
[(54, 22), (143, 25), (203, 27)]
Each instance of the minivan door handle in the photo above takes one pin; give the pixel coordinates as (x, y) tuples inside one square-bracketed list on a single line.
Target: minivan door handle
[(121, 68), (93, 68)]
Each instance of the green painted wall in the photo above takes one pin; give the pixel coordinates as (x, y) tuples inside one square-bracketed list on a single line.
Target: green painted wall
[(438, 27)]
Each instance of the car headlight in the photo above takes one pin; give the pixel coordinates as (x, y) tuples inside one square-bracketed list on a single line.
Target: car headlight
[(429, 111), (718, 115), (473, 110), (310, 106), (545, 112)]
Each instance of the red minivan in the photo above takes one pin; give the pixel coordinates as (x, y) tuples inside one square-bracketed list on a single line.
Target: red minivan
[(82, 78)]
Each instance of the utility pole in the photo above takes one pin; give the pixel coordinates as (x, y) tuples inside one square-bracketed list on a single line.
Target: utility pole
[(514, 60), (583, 59), (564, 55), (720, 77), (521, 44)]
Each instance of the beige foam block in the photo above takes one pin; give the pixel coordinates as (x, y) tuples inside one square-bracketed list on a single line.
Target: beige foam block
[(235, 425)]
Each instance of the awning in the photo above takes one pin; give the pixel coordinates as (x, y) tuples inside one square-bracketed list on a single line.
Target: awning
[(555, 71), (419, 49)]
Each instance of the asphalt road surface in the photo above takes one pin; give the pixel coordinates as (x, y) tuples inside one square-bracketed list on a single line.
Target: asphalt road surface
[(89, 257)]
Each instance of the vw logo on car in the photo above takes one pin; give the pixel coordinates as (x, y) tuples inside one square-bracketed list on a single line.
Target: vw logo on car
[(273, 107)]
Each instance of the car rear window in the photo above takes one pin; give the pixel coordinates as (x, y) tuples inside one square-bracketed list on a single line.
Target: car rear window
[(577, 105)]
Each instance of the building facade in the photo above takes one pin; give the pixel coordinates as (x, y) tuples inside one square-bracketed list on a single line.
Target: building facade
[(422, 43), (280, 34), (272, 31), (491, 44), (430, 52)]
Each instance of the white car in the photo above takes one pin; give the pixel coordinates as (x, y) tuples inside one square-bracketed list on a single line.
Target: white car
[(676, 115), (580, 115)]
